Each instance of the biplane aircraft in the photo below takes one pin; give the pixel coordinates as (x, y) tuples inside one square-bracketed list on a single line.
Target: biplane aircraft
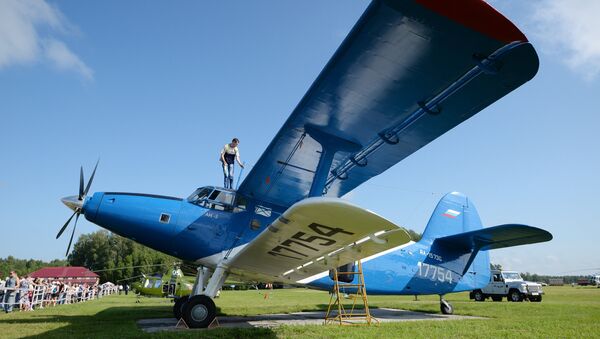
[(409, 71)]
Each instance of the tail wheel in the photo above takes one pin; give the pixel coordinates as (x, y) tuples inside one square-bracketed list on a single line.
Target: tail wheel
[(178, 307), (446, 307), (199, 311), (478, 296), (515, 296)]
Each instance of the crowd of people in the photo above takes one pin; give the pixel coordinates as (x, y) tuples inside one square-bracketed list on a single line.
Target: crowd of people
[(27, 294)]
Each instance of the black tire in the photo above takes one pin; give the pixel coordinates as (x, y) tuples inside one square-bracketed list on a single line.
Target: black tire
[(478, 295), (178, 307), (199, 311), (515, 296), (536, 299), (497, 298), (446, 307)]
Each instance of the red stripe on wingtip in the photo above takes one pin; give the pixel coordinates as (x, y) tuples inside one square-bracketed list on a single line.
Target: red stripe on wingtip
[(477, 15)]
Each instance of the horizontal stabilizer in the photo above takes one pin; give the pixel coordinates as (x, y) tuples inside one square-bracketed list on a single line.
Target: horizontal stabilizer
[(496, 237)]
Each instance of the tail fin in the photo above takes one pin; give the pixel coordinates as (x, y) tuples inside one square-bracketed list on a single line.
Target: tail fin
[(455, 230), (453, 214)]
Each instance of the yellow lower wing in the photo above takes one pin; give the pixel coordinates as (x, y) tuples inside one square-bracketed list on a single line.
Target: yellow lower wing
[(312, 236)]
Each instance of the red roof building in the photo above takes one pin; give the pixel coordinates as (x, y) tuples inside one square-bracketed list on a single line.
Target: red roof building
[(69, 274)]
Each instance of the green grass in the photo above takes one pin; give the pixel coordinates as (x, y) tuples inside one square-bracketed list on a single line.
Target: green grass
[(564, 312)]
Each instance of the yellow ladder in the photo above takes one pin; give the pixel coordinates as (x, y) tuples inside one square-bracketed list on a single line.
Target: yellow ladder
[(346, 314)]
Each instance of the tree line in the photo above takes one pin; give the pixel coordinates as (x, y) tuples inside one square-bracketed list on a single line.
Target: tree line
[(25, 266), (115, 258), (103, 252)]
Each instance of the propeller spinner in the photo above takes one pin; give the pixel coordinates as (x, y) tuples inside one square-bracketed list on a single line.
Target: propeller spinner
[(75, 203)]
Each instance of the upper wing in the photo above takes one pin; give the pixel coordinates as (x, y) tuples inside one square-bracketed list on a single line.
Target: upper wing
[(409, 71), (313, 236)]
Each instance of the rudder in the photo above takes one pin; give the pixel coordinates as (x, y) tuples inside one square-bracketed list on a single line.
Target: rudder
[(454, 214)]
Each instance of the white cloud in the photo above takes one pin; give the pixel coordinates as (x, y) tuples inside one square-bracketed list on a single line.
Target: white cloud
[(572, 27), (63, 58), (27, 29)]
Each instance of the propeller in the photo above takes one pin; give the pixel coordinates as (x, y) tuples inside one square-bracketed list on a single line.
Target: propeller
[(75, 203)]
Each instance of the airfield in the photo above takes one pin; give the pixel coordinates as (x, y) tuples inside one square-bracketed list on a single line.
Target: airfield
[(565, 312)]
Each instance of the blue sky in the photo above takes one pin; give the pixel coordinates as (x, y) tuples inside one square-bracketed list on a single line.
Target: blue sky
[(155, 90)]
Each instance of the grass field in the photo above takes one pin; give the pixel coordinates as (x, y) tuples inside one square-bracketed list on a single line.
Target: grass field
[(565, 312)]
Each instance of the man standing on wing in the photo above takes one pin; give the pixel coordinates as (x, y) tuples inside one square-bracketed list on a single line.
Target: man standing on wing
[(228, 154)]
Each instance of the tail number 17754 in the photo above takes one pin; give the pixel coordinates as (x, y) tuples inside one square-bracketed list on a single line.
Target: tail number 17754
[(434, 273)]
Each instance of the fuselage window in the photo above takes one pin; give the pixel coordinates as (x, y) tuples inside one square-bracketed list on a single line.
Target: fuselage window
[(262, 210)]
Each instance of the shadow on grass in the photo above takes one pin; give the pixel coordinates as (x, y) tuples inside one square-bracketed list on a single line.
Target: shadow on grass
[(324, 307), (120, 322)]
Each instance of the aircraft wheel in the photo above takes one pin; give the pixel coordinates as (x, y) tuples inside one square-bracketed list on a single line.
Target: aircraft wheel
[(446, 307), (478, 296), (515, 296), (178, 307), (199, 311)]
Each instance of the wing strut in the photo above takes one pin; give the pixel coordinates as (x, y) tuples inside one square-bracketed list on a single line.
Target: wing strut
[(330, 145)]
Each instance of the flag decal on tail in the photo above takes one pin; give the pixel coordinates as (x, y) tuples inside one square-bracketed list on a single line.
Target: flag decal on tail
[(451, 213)]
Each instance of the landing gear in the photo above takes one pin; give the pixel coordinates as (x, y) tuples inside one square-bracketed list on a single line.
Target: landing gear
[(445, 306), (178, 307), (199, 311)]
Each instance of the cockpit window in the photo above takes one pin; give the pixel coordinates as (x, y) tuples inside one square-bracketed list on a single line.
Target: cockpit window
[(223, 197), (218, 199), (200, 194)]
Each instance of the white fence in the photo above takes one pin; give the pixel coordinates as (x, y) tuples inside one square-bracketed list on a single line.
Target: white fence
[(41, 296)]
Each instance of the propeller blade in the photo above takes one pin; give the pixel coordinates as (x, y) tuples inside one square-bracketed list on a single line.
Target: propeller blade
[(87, 188), (72, 234), (80, 182), (65, 225)]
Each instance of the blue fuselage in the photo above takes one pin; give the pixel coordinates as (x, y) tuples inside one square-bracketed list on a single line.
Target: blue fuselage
[(201, 232), (176, 226)]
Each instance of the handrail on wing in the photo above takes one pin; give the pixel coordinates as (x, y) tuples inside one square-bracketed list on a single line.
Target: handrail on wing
[(485, 65)]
